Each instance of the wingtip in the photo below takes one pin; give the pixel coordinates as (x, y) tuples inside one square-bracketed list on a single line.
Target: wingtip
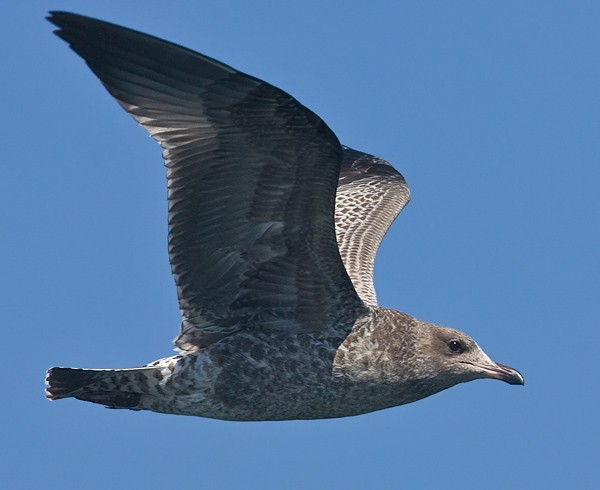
[(60, 19), (54, 16), (51, 17)]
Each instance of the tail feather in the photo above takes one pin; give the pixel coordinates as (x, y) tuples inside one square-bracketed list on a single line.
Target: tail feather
[(64, 382), (92, 385)]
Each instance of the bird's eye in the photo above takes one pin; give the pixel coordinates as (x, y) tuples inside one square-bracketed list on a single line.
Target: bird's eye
[(456, 346)]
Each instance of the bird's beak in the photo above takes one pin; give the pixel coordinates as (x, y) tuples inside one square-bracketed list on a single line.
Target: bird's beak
[(503, 373)]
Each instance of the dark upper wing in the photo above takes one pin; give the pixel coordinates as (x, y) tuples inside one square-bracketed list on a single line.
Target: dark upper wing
[(251, 185), (370, 194)]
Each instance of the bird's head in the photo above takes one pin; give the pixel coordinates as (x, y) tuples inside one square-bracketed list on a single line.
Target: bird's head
[(454, 358)]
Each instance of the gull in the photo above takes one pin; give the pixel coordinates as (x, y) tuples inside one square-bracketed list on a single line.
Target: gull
[(273, 231)]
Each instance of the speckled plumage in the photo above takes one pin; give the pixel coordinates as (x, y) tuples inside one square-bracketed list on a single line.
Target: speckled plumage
[(274, 270)]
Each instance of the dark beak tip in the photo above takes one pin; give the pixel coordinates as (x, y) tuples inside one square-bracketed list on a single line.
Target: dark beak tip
[(509, 375), (517, 381)]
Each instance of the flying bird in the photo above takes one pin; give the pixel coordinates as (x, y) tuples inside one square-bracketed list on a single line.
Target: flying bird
[(273, 231)]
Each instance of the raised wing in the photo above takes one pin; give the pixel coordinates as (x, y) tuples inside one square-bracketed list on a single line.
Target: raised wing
[(370, 194), (251, 185)]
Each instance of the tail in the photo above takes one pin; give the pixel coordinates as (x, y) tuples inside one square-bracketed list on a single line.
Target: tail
[(114, 388)]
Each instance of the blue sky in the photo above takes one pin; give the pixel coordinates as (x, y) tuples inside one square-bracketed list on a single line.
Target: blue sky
[(491, 110)]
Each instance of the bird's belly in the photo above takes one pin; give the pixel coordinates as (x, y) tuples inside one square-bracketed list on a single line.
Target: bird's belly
[(273, 378)]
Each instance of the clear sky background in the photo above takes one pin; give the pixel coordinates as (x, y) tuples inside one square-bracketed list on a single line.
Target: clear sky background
[(491, 110)]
